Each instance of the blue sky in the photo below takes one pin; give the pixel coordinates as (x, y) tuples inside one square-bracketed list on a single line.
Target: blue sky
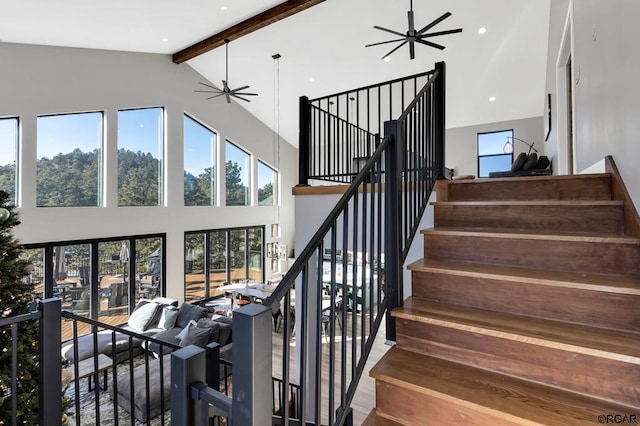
[(8, 137)]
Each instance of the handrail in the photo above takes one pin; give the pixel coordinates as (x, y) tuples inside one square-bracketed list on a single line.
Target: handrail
[(371, 86), (289, 278), (412, 153)]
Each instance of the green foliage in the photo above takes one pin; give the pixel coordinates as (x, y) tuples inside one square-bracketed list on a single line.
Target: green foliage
[(265, 195), (199, 190), (15, 297), (138, 179), (237, 193), (69, 179), (8, 178)]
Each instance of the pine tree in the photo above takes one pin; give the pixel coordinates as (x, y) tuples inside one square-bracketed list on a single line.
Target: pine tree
[(15, 297)]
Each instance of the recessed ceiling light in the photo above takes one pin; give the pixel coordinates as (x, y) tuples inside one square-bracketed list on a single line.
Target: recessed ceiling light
[(387, 58), (492, 98), (482, 30), (224, 8), (164, 40), (311, 79)]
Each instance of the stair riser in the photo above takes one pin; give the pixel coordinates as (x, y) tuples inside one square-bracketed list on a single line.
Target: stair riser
[(414, 408), (578, 256), (596, 188), (595, 308), (576, 218), (583, 373)]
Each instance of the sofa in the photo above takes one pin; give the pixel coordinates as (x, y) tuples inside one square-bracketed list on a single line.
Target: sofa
[(143, 320), (526, 165), (184, 326)]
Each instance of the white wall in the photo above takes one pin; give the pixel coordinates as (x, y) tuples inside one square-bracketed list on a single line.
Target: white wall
[(605, 62), (461, 144), (46, 80)]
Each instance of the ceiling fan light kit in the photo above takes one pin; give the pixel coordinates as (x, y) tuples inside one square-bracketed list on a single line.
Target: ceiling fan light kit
[(226, 91), (412, 36)]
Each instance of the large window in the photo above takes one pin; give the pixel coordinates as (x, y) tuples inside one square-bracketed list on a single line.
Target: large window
[(8, 153), (69, 160), (140, 156), (217, 257), (491, 157), (199, 164), (128, 269), (267, 185), (237, 176)]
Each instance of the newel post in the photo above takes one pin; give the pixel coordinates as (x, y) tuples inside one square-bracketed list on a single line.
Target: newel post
[(50, 367), (392, 257), (304, 146), (440, 123)]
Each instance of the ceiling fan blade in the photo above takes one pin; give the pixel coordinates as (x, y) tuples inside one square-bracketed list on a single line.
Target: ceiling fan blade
[(215, 96), (428, 43), (244, 94), (439, 33), (208, 85), (207, 91), (412, 50), (241, 98), (396, 48), (411, 23), (384, 42), (240, 88), (389, 31), (434, 23), (226, 94)]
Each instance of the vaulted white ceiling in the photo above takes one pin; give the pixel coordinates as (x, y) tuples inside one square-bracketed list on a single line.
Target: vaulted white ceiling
[(325, 42)]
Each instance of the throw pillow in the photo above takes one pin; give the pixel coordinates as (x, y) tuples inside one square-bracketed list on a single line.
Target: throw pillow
[(196, 336), (520, 160), (188, 312), (543, 162), (165, 301), (185, 330), (168, 317), (144, 316), (531, 163), (213, 326), (225, 334)]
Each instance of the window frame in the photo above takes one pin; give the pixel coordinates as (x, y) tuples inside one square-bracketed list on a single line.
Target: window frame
[(249, 185), (275, 193), (206, 257), (162, 196), (215, 163), (16, 154), (478, 156), (101, 178)]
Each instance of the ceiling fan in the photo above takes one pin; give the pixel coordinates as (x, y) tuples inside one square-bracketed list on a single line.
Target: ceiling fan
[(226, 91), (412, 36)]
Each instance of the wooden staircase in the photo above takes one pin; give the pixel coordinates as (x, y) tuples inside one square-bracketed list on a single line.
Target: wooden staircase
[(525, 309)]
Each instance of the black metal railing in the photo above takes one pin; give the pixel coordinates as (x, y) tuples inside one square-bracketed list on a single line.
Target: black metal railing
[(137, 374), (336, 294), (49, 397), (340, 131), (350, 273)]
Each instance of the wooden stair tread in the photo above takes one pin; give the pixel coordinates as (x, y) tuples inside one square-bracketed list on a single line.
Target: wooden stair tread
[(584, 281), (612, 344), (373, 419), (538, 235), (492, 393), (568, 203), (528, 179)]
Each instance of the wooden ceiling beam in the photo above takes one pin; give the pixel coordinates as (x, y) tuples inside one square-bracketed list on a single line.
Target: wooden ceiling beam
[(261, 20)]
